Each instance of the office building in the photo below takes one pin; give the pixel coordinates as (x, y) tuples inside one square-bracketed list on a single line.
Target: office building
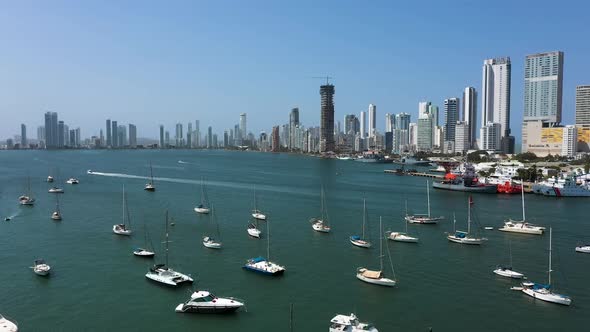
[(372, 120), (583, 117), (109, 134), (491, 136), (462, 137), (293, 126), (243, 128), (161, 136), (114, 134), (412, 136), (197, 133), (189, 135), (389, 123), (543, 87), (132, 136), (495, 99), (23, 136), (470, 114), (363, 128), (209, 137), (51, 130), (569, 145), (275, 139), (327, 118), (178, 137), (451, 118)]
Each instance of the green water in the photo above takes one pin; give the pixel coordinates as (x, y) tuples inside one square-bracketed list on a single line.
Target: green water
[(97, 284)]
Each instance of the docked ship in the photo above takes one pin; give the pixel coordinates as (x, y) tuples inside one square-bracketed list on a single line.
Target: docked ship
[(371, 157), (509, 187), (567, 187), (467, 181)]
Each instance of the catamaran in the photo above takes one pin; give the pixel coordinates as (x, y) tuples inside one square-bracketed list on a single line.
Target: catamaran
[(27, 199), (402, 236), (424, 218), (125, 227), (322, 223), (521, 226), (257, 214), (163, 274), (544, 292), (150, 185), (203, 207), (507, 271), (210, 241), (56, 215), (360, 241), (376, 277), (264, 265), (465, 237)]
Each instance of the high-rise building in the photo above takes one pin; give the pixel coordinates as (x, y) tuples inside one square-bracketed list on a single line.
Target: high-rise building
[(243, 128), (209, 137), (132, 135), (495, 100), (412, 136), (327, 118), (23, 136), (109, 134), (60, 134), (543, 86), (372, 120), (389, 123), (51, 130), (161, 136), (425, 138), (114, 134), (293, 126), (402, 121), (470, 114), (491, 137), (197, 133), (41, 136), (363, 129), (167, 138), (433, 111), (462, 136), (189, 133), (569, 146), (178, 135), (350, 126), (275, 139), (583, 117), (122, 139), (451, 118)]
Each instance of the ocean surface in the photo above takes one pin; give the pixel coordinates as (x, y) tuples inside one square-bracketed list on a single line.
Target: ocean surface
[(97, 284)]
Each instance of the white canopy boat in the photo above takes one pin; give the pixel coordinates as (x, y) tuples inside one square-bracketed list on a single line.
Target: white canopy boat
[(465, 237), (424, 218), (203, 302), (583, 249), (521, 226), (377, 277), (321, 224), (545, 292), (344, 323), (150, 185), (360, 241), (125, 227), (7, 326), (40, 267), (203, 207)]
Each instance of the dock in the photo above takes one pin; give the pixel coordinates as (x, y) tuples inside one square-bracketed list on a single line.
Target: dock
[(428, 175)]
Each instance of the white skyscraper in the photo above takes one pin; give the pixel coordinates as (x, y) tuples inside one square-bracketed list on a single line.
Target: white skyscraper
[(363, 124), (569, 145), (462, 134), (470, 113), (372, 120), (543, 85), (491, 137), (495, 99), (243, 128), (389, 122)]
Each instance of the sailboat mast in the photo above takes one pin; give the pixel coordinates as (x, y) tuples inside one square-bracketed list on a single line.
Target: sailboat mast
[(151, 174), (268, 241), (380, 245), (522, 193), (364, 215), (428, 197), (550, 238), (124, 205), (166, 237), (469, 215)]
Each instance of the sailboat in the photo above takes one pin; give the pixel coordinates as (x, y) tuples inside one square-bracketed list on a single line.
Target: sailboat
[(124, 228), (424, 218), (465, 237), (264, 265), (150, 185), (163, 274), (376, 277), (27, 199), (257, 214), (402, 236), (360, 241), (521, 226), (507, 271), (203, 207), (148, 248), (40, 267), (211, 242), (253, 230), (321, 224), (56, 215), (544, 292)]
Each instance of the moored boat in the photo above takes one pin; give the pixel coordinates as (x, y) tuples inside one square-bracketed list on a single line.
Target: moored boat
[(203, 302), (465, 237), (72, 181), (377, 277), (7, 326), (40, 267), (361, 241), (583, 249), (349, 323), (521, 226)]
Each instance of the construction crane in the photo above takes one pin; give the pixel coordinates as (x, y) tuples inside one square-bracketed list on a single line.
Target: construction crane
[(326, 77)]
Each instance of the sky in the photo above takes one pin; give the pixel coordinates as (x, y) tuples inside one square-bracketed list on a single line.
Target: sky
[(164, 62)]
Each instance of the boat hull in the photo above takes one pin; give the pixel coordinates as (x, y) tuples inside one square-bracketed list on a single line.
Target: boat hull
[(401, 237), (253, 232), (258, 216), (217, 309), (423, 219), (380, 282), (319, 226), (172, 279), (144, 253), (508, 273), (212, 245), (583, 249), (486, 189), (202, 210), (119, 231), (470, 241), (360, 243), (547, 296), (264, 267)]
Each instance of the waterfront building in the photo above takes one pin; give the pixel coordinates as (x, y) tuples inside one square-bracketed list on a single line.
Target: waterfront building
[(451, 118), (132, 136), (114, 134), (243, 128), (293, 127), (23, 136), (495, 101), (275, 140), (363, 124), (569, 145), (109, 135), (583, 117), (327, 118), (372, 120), (491, 137), (470, 113), (462, 137), (161, 137), (51, 130)]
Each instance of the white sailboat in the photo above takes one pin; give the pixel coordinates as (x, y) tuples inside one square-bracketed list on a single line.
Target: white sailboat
[(544, 292), (265, 265), (322, 223), (253, 230), (344, 323), (583, 249), (27, 199), (41, 268), (376, 277), (507, 271), (210, 241), (163, 274), (424, 218), (521, 226), (125, 227), (465, 237), (148, 249), (150, 185), (203, 207), (402, 236), (257, 214), (360, 241), (7, 326), (56, 215)]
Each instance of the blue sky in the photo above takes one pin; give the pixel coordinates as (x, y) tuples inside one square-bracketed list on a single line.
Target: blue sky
[(152, 63)]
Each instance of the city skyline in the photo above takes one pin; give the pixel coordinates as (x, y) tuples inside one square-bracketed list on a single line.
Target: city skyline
[(86, 89)]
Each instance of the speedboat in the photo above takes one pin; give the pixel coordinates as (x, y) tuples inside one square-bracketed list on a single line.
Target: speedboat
[(521, 227), (506, 271), (26, 200), (7, 219), (357, 241), (261, 265), (203, 302), (72, 181), (257, 214), (202, 209), (253, 231), (89, 171), (50, 178), (6, 325), (121, 229), (143, 253), (56, 190), (374, 277), (40, 267), (401, 237), (318, 225), (210, 242), (165, 275), (344, 323), (55, 215), (583, 249)]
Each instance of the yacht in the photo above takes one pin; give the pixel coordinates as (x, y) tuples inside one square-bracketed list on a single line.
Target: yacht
[(40, 267), (423, 218), (465, 237), (211, 243), (147, 249), (49, 178), (150, 185), (7, 326), (506, 271), (203, 206), (521, 226), (73, 181), (27, 199), (583, 249), (257, 214), (125, 227), (344, 323), (402, 236), (253, 230), (55, 190), (203, 302)]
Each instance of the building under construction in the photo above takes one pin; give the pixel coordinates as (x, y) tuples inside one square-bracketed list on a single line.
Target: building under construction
[(327, 118)]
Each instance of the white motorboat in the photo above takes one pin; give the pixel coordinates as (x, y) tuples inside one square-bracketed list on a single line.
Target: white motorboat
[(150, 185), (521, 226), (257, 214), (583, 249), (465, 237), (506, 271), (162, 273), (89, 171), (40, 267), (203, 302), (264, 265), (49, 178), (203, 207), (72, 181), (423, 218), (344, 323), (55, 190), (27, 199), (321, 224), (402, 236), (125, 227), (253, 230), (377, 277), (357, 240), (147, 249), (7, 326), (545, 292)]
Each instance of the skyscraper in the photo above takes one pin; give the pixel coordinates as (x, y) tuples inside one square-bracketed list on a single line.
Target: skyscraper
[(189, 133), (543, 85), (293, 126), (60, 134), (178, 137), (132, 135), (197, 133), (462, 133), (351, 125), (275, 147), (389, 122), (327, 118), (495, 100), (23, 136), (122, 138), (209, 137), (243, 128), (161, 136), (114, 134), (583, 117), (41, 136), (51, 130), (491, 136), (363, 129), (470, 114), (372, 120), (451, 118), (109, 134), (402, 121)]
